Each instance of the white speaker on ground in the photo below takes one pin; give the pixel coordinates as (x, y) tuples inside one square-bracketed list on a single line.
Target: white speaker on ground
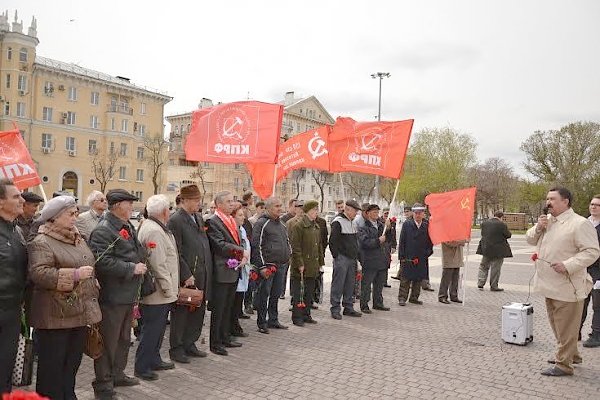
[(517, 323)]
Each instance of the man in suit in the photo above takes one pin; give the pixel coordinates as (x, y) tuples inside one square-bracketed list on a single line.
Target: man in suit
[(87, 221), (494, 248), (594, 271), (195, 270), (225, 242)]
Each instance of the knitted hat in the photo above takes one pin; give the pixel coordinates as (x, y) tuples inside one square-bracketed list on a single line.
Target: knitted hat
[(309, 205), (55, 206)]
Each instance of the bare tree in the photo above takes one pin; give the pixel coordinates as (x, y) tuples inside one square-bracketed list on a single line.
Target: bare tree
[(156, 155), (322, 178), (297, 176), (103, 168), (361, 185), (386, 189), (199, 173)]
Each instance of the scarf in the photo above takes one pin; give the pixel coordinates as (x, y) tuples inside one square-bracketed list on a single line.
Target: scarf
[(230, 225)]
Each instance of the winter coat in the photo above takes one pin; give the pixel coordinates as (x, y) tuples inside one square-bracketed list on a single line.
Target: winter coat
[(13, 266), (452, 254), (343, 238), (59, 301), (270, 242), (163, 261), (414, 244), (373, 254), (115, 269), (86, 222), (222, 245), (494, 243), (305, 237)]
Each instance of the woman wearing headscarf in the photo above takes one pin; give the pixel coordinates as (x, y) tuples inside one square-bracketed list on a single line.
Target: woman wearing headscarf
[(65, 297)]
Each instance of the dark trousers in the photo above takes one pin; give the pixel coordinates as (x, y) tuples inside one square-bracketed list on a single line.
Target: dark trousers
[(267, 297), (220, 316), (59, 357), (319, 288), (115, 329), (449, 282), (10, 326), (375, 278), (147, 355), (302, 314), (185, 328), (283, 277), (405, 286), (236, 311), (594, 296), (249, 295)]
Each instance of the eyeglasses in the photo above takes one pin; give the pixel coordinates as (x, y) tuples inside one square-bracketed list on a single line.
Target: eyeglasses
[(101, 200), (594, 205)]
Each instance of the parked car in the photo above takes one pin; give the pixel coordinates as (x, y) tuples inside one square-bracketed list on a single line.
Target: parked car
[(136, 215), (329, 216)]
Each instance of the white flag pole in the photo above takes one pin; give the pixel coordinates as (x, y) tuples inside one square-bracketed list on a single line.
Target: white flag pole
[(43, 193), (393, 200), (342, 187), (464, 278), (274, 180)]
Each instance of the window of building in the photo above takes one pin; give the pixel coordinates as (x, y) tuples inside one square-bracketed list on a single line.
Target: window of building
[(47, 114), (112, 147), (112, 124), (182, 129), (23, 54), (312, 188), (7, 108), (72, 93), (122, 173), (140, 153), (142, 130), (95, 98), (9, 53), (20, 109), (140, 196), (143, 108), (46, 140), (139, 175), (236, 183), (298, 127), (92, 147), (8, 81), (22, 83), (70, 143), (188, 127), (70, 118), (206, 164), (283, 187), (302, 189), (123, 151), (94, 121), (236, 166), (48, 88), (176, 130), (124, 125)]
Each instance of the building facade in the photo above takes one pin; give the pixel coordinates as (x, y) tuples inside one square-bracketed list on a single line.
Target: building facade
[(300, 115), (85, 129)]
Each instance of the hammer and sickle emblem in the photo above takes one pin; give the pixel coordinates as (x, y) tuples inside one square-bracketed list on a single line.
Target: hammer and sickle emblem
[(464, 203), (369, 142), (229, 130), (316, 146)]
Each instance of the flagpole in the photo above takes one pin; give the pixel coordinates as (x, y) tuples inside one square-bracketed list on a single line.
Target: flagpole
[(43, 193), (393, 200), (464, 279), (274, 179), (342, 186)]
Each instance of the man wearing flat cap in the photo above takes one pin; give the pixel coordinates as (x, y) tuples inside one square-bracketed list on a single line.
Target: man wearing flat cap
[(343, 245), (299, 214), (119, 270), (30, 208), (373, 256), (195, 270), (414, 249), (307, 259)]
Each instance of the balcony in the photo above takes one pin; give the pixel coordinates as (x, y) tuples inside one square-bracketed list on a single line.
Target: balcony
[(120, 108)]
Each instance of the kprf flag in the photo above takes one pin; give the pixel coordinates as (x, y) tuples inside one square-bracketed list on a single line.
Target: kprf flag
[(240, 132), (377, 148), (451, 215), (15, 161)]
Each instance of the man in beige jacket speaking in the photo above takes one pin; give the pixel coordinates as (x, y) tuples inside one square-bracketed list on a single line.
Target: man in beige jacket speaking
[(566, 243)]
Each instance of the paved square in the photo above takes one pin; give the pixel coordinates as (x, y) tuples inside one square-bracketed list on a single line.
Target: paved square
[(434, 351)]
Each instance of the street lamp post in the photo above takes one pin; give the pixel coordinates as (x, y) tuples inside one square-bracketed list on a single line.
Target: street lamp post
[(379, 75)]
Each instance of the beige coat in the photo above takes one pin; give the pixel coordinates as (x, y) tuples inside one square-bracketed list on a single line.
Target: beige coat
[(572, 240), (452, 254), (163, 261), (58, 301), (86, 222)]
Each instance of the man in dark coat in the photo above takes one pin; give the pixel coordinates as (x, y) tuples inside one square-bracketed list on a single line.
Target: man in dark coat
[(390, 237), (195, 270), (324, 241), (225, 242), (373, 256), (30, 209), (594, 271), (119, 271), (414, 249), (494, 248)]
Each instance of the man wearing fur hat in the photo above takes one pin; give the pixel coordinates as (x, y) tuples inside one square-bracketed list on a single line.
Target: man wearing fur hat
[(307, 258)]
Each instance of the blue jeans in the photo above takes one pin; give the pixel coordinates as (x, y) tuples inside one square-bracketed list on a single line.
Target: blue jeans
[(267, 297)]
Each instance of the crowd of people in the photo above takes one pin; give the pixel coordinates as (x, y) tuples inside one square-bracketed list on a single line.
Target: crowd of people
[(72, 271)]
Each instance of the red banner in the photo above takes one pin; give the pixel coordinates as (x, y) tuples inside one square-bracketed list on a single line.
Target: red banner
[(240, 132), (15, 162), (377, 148), (305, 150), (451, 215)]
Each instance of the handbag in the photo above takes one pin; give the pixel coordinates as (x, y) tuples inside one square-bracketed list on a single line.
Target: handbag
[(23, 369), (94, 344), (190, 297), (148, 284)]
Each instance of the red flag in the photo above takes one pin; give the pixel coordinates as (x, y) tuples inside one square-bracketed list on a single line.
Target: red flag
[(305, 150), (241, 132), (15, 161), (451, 215), (377, 148)]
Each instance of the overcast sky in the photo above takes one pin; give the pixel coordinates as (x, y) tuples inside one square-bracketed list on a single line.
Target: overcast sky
[(497, 70)]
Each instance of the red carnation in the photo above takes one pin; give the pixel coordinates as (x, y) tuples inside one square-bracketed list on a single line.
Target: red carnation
[(151, 245), (358, 276), (272, 269), (301, 305), (534, 257), (253, 275), (393, 219), (22, 395), (124, 234), (415, 261)]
